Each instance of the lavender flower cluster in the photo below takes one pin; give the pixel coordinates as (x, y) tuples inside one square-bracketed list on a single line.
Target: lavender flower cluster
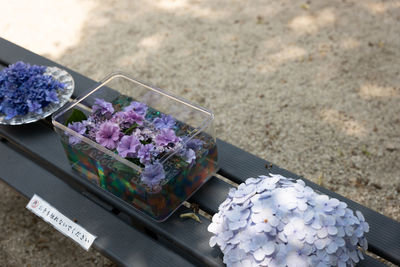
[(276, 221), (25, 88), (128, 134)]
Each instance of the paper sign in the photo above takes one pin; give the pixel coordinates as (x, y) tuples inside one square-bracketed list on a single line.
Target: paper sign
[(66, 226)]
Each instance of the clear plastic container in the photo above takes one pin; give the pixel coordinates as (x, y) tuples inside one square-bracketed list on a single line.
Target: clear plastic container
[(122, 177)]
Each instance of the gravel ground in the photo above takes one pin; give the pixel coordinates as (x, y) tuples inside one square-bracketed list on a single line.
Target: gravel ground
[(312, 86)]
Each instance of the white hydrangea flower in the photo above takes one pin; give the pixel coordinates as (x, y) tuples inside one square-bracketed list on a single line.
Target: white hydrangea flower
[(276, 221)]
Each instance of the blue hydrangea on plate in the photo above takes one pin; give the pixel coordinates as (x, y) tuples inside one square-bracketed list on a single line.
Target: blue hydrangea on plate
[(30, 92), (277, 221)]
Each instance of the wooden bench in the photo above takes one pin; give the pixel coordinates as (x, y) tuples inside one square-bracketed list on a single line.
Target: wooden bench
[(32, 161)]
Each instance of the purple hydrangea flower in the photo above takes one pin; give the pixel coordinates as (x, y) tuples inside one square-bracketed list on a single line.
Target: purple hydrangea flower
[(145, 153), (91, 127), (132, 117), (108, 135), (102, 107), (127, 118), (164, 122), (128, 146), (188, 151), (277, 221), (78, 127), (166, 137), (195, 144), (119, 118), (189, 155), (139, 108), (153, 174)]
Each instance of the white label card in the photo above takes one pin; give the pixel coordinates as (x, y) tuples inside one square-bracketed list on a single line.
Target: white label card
[(66, 226)]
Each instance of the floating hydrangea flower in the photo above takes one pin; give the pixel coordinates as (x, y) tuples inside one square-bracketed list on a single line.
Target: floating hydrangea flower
[(127, 118), (139, 108), (91, 127), (102, 107), (119, 118), (164, 122), (195, 144), (145, 153), (189, 149), (108, 135), (276, 221), (153, 174), (128, 146), (166, 137), (132, 117), (189, 155), (78, 127)]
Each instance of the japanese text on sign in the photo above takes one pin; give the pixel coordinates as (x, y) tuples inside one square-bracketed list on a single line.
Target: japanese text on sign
[(66, 226)]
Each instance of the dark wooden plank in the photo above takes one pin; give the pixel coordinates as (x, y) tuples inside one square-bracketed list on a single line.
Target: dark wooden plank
[(210, 195), (384, 235), (115, 238), (370, 262)]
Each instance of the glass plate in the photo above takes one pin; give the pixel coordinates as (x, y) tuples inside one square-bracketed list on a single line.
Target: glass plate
[(63, 96)]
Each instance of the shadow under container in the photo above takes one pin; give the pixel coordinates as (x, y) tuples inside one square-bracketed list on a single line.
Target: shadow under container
[(121, 177)]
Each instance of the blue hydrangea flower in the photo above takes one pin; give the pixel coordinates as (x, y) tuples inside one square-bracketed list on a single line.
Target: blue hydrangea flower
[(35, 107), (164, 122), (276, 221), (138, 107), (153, 174), (78, 127), (52, 96), (25, 88)]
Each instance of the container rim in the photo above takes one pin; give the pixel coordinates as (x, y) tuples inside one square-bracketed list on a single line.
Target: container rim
[(101, 84)]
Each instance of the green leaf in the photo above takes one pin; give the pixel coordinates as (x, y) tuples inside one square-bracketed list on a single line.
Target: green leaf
[(76, 116), (145, 142), (130, 129)]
